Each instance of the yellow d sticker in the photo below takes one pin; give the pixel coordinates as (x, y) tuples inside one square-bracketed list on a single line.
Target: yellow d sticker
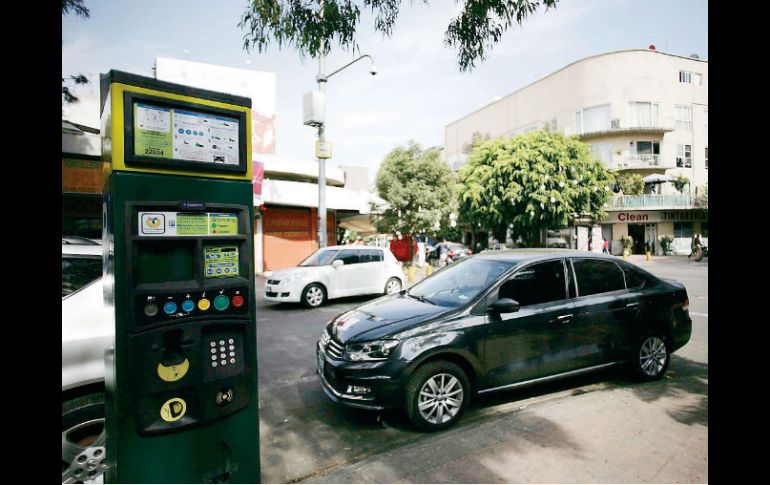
[(173, 409), (174, 372)]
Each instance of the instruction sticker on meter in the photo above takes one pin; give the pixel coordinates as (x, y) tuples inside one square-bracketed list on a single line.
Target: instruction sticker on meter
[(223, 224), (220, 261), (166, 223)]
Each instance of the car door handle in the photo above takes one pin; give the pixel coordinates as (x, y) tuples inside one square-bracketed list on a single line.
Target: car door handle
[(630, 305), (562, 318)]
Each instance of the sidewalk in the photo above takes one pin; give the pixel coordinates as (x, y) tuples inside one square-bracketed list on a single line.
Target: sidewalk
[(576, 438)]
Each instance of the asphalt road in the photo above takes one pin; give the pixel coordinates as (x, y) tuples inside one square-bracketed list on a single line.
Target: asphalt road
[(305, 437)]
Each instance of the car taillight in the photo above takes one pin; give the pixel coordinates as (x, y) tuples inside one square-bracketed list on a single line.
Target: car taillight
[(470, 252), (452, 254), (686, 304)]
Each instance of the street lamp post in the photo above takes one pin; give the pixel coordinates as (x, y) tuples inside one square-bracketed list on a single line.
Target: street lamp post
[(322, 79)]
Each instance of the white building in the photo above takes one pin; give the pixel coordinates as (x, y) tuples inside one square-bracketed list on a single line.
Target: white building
[(641, 111)]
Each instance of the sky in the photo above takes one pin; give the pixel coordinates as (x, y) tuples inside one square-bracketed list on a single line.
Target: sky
[(419, 88)]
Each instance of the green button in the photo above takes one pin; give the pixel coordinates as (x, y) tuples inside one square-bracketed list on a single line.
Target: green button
[(221, 302)]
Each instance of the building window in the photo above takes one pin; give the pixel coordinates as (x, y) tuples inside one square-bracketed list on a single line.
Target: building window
[(689, 77), (648, 148), (603, 152), (683, 118), (707, 158), (683, 229), (684, 156), (643, 114), (593, 119)]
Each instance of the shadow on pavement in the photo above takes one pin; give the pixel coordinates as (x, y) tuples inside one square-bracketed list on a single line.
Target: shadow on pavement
[(684, 376)]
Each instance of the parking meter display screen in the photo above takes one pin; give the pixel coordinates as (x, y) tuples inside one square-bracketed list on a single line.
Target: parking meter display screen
[(220, 261), (164, 132), (160, 262)]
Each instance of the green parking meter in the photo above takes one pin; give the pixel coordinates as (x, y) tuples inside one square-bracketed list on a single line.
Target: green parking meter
[(181, 378)]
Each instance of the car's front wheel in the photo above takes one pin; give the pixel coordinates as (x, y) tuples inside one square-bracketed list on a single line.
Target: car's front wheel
[(437, 394), (82, 438), (313, 295), (651, 358), (392, 286)]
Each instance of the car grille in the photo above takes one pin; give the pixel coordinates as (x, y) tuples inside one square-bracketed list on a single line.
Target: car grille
[(332, 348), (273, 282)]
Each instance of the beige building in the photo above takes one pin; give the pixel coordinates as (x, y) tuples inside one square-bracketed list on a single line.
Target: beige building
[(641, 111)]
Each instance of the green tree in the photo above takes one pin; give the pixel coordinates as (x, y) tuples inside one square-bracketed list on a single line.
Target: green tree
[(631, 184), (419, 189), (78, 7), (312, 26), (532, 182), (680, 182)]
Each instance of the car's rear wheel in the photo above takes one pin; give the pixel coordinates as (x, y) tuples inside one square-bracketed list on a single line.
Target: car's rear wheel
[(392, 286), (437, 394), (82, 438), (651, 358), (313, 295)]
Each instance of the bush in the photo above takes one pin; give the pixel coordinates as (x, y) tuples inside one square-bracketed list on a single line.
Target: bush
[(631, 184), (628, 243), (666, 243)]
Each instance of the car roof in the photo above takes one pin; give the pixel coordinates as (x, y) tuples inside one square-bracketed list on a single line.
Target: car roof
[(81, 250), (534, 254)]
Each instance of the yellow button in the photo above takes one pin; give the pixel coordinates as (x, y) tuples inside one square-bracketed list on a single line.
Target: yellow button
[(204, 304)]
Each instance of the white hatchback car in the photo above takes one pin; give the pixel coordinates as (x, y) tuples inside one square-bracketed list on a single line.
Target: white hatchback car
[(335, 272)]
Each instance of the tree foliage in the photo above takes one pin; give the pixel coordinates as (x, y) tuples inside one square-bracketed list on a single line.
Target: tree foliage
[(631, 184), (313, 26), (78, 7), (532, 182), (419, 189), (680, 182)]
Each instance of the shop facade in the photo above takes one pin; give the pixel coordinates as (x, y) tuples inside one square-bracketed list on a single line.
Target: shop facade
[(646, 227)]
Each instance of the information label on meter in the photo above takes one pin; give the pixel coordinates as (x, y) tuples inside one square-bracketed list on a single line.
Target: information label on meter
[(220, 261), (165, 223)]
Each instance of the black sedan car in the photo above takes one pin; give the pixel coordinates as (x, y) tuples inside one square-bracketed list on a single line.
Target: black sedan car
[(499, 321)]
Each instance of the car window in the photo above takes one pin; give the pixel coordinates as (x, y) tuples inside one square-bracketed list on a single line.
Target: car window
[(320, 258), (637, 278), (597, 276), (370, 255), (537, 283), (461, 282), (78, 272), (348, 256)]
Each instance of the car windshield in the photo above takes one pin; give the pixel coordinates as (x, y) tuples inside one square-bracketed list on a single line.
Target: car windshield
[(322, 257), (460, 282), (78, 272)]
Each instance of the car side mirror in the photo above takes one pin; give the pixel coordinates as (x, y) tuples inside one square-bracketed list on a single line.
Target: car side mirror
[(504, 305), (337, 263)]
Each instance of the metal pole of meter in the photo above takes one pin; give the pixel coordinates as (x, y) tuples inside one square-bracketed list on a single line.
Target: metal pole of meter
[(321, 160)]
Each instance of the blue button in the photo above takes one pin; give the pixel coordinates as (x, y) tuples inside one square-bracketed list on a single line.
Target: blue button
[(169, 307), (188, 305)]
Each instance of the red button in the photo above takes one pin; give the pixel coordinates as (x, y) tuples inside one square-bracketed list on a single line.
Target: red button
[(237, 300)]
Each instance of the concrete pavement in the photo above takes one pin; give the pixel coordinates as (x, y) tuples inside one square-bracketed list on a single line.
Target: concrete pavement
[(629, 434)]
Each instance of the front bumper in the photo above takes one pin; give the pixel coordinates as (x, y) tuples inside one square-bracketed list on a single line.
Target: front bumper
[(282, 293), (337, 377)]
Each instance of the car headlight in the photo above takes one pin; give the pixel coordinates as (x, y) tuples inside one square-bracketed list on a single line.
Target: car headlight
[(367, 351)]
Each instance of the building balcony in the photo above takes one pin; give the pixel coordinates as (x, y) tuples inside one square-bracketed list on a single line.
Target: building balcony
[(650, 202), (635, 162), (616, 130)]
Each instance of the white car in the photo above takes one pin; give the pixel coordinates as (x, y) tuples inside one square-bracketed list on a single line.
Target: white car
[(335, 272)]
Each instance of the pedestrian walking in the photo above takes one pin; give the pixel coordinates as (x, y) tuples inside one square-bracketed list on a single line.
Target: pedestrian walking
[(443, 252), (605, 246)]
